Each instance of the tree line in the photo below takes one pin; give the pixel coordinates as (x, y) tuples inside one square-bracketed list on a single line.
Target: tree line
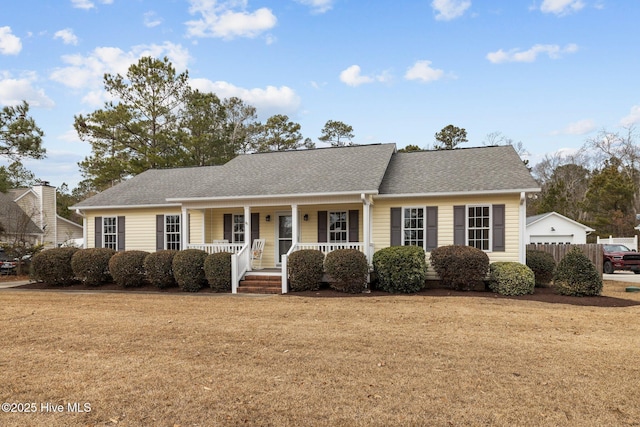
[(597, 186), (156, 120)]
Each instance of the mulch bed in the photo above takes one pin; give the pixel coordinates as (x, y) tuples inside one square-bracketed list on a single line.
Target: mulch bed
[(541, 294)]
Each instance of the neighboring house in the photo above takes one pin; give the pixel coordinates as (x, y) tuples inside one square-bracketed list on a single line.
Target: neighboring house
[(39, 203), (553, 228), (366, 197), (17, 225)]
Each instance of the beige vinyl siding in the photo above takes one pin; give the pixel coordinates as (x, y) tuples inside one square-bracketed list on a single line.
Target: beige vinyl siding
[(68, 231), (381, 233), (140, 226), (196, 217)]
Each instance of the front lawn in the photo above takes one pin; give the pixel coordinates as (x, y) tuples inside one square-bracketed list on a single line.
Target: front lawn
[(205, 360)]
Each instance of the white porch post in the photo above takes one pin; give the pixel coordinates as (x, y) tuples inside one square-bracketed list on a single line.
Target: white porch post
[(366, 228), (522, 223), (294, 225), (186, 230), (247, 235)]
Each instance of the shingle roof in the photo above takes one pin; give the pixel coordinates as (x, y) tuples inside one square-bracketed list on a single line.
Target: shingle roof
[(13, 219), (358, 168), (484, 169)]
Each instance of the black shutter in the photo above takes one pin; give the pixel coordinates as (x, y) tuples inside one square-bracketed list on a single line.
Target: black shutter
[(159, 232), (228, 225), (498, 228), (121, 233), (396, 226), (354, 226), (458, 225), (255, 226), (432, 228), (322, 226), (98, 232)]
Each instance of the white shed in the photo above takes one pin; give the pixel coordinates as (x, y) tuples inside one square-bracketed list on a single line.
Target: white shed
[(553, 228)]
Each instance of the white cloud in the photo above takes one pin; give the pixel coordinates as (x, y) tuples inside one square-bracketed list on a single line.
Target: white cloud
[(352, 77), (581, 127), (446, 10), (87, 72), (151, 19), (553, 51), (87, 4), (422, 70), (270, 100), (561, 7), (9, 44), (318, 6), (632, 118), (15, 90), (228, 19), (67, 36)]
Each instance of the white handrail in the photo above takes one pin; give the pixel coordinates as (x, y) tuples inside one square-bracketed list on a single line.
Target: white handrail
[(240, 264)]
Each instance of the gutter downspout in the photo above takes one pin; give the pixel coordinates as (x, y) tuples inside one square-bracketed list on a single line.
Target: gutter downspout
[(366, 226)]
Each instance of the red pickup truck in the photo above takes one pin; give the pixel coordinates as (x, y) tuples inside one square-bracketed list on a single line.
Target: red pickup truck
[(620, 257)]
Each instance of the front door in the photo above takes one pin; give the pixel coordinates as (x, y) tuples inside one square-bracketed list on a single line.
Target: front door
[(283, 235)]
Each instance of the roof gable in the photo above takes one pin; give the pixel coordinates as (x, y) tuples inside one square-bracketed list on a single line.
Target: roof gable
[(531, 220), (14, 220)]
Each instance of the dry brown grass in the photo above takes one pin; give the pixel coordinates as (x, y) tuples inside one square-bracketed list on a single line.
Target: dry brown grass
[(164, 360)]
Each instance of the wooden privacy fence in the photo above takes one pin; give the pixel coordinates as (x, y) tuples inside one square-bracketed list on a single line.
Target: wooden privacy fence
[(592, 250)]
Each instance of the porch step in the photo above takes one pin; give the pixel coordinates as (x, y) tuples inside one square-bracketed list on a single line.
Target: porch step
[(261, 284)]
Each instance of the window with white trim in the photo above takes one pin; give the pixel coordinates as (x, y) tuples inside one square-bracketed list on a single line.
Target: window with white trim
[(172, 236), (338, 227), (413, 227), (479, 226), (110, 232), (238, 229)]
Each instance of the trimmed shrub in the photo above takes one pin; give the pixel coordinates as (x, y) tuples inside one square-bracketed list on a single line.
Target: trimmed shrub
[(217, 269), (460, 267), (53, 266), (543, 265), (577, 276), (348, 268), (158, 268), (188, 269), (511, 278), (400, 268), (127, 268), (91, 266), (305, 270)]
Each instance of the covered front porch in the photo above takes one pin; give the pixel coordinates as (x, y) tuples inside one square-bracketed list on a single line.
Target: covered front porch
[(325, 225)]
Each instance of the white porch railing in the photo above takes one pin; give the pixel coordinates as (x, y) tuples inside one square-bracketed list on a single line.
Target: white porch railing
[(240, 264), (212, 248), (325, 248)]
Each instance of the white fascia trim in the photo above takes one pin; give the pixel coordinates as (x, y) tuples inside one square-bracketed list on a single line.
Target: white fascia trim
[(271, 196), (458, 193), (88, 208)]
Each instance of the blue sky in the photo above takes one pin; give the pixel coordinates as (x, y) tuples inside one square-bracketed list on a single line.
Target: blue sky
[(548, 73)]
